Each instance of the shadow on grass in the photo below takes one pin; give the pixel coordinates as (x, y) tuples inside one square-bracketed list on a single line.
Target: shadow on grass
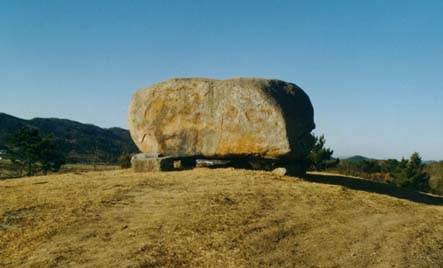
[(375, 187)]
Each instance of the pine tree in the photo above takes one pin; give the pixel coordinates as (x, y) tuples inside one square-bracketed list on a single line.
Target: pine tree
[(320, 157), (31, 153), (49, 157), (23, 150), (410, 174)]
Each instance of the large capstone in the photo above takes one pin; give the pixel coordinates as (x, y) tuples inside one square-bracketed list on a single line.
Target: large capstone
[(233, 118)]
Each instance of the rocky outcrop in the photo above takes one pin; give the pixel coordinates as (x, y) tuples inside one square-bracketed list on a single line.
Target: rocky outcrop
[(209, 118)]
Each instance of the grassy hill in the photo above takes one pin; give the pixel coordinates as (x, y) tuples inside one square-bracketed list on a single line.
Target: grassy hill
[(79, 142), (215, 218)]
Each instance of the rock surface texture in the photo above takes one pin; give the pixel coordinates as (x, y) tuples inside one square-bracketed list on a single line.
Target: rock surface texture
[(209, 118)]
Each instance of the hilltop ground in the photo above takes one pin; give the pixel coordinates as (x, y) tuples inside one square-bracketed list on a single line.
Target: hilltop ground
[(215, 218)]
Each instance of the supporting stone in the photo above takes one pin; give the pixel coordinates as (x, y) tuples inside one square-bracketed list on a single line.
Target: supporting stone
[(145, 162), (281, 171), (148, 162)]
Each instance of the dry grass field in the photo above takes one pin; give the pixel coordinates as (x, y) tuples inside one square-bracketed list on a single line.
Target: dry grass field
[(8, 171), (215, 218)]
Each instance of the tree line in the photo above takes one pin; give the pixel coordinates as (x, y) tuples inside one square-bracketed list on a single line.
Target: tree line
[(31, 153), (410, 173)]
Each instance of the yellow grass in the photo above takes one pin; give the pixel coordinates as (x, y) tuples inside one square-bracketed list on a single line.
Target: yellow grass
[(215, 218), (87, 167), (8, 171)]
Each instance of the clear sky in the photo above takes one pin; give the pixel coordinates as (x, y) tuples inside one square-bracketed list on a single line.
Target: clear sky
[(373, 69)]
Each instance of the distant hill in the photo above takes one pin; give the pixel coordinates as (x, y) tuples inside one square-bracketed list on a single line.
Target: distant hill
[(82, 143), (357, 158)]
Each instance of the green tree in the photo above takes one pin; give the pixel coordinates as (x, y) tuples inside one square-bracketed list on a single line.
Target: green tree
[(31, 153), (390, 165), (369, 166), (320, 157), (410, 173), (23, 150), (49, 157)]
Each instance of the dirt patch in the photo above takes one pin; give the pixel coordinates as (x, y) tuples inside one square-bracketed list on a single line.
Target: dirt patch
[(13, 218)]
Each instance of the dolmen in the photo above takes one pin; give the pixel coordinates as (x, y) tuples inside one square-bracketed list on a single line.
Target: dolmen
[(248, 122)]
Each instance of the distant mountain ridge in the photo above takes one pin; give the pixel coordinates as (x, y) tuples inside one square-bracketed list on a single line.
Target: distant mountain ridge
[(359, 158), (84, 143)]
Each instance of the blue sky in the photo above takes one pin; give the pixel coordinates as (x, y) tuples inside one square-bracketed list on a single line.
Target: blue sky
[(373, 69)]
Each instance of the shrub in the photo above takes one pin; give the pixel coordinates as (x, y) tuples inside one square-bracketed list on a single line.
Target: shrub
[(125, 160)]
